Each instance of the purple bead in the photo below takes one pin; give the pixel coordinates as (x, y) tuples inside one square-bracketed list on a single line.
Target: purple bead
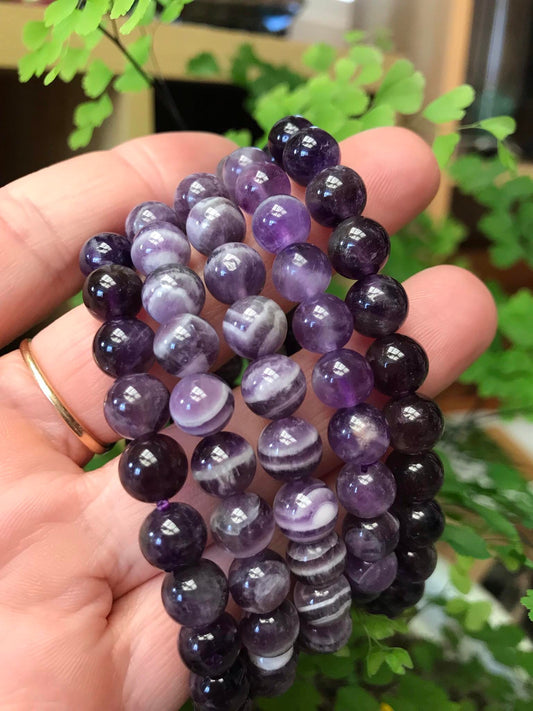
[(191, 190), (397, 598), (308, 152), (322, 324), (358, 434), (213, 222), (243, 524), (305, 510), (221, 693), (416, 564), (273, 386), (371, 539), (415, 423), (280, 221), (159, 244), (335, 194), (223, 464), (281, 131), (236, 162), (368, 578), (421, 524), (104, 248), (272, 633), (210, 650), (342, 378), (289, 448), (254, 326), (419, 477), (136, 405), (145, 214), (325, 639), (366, 491), (172, 290), (325, 604), (123, 346), (317, 563), (301, 271), (399, 364), (111, 292), (201, 404), (173, 537), (233, 271), (195, 595), (378, 305), (153, 468), (259, 584), (272, 676), (258, 182), (358, 247), (186, 345)]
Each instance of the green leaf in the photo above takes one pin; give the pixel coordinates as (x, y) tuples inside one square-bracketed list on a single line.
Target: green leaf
[(336, 667), (507, 158), (58, 10), (319, 56), (27, 66), (131, 80), (473, 173), (477, 614), (398, 659), (499, 126), (348, 128), (93, 113), (345, 69), (527, 601), (120, 8), (402, 88), (96, 78), (378, 116), (242, 137), (512, 317), (450, 106), (90, 16), (374, 661), (443, 148), (203, 64), (459, 574), (456, 606), (351, 100), (465, 541), (370, 61), (354, 36), (50, 76), (80, 137), (140, 49), (378, 626), (34, 34), (74, 59), (173, 10), (354, 697), (136, 16)]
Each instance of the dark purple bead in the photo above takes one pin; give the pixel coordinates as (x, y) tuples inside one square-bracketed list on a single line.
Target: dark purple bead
[(301, 271), (322, 324), (335, 194), (136, 405), (236, 162), (159, 244), (210, 650), (397, 598), (233, 271), (399, 364), (172, 290), (317, 563), (195, 595), (368, 578), (371, 539), (416, 564), (258, 182), (280, 221), (273, 386), (272, 633), (185, 345), (213, 222), (306, 510), (274, 676), (223, 464), (421, 524), (326, 639), (378, 305), (260, 583), (325, 604), (145, 214), (221, 693), (201, 404), (415, 423), (243, 524), (191, 190), (112, 291), (342, 378), (254, 326), (104, 248), (308, 152), (289, 448), (124, 346), (153, 468), (358, 247), (172, 537), (419, 477), (280, 133), (358, 434), (366, 491)]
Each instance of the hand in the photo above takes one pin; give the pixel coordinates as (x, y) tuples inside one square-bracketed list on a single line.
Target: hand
[(82, 622)]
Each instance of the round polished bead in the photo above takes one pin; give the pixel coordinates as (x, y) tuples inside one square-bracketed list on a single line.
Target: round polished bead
[(335, 194), (272, 676), (233, 271), (342, 378), (201, 404), (415, 423), (289, 448), (419, 477), (325, 604), (124, 346), (273, 386), (227, 692), (145, 214), (371, 539), (159, 244), (223, 464), (280, 133), (172, 536), (237, 161), (272, 633), (172, 290), (358, 434), (421, 524), (378, 305), (215, 221), (112, 291), (322, 324), (195, 595), (317, 563), (305, 510), (153, 468), (136, 405), (416, 564), (366, 491), (301, 271), (399, 364), (102, 249), (254, 326), (358, 247), (308, 152), (210, 650), (192, 190), (280, 221), (397, 598), (371, 578), (260, 583), (326, 639), (243, 524), (259, 181), (185, 345)]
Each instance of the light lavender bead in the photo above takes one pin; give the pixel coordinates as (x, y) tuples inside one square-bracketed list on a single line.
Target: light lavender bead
[(305, 510), (371, 539), (301, 271), (236, 162), (223, 464), (273, 386), (279, 221), (272, 633), (368, 578), (325, 604), (342, 378), (158, 244), (366, 491), (289, 449), (192, 189), (214, 221), (259, 583), (322, 324), (243, 524), (317, 563), (145, 214), (254, 326), (233, 271), (325, 639), (172, 290), (358, 434), (201, 404), (185, 345), (259, 181), (136, 404)]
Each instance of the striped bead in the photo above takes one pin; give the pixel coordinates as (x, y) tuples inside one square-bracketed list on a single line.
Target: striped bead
[(323, 605)]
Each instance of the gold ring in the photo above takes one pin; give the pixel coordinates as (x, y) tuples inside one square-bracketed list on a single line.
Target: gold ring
[(81, 433)]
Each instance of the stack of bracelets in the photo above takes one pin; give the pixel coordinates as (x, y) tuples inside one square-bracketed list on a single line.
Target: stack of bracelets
[(386, 550)]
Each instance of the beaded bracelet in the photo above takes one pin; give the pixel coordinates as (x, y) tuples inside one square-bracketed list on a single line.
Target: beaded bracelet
[(386, 550)]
